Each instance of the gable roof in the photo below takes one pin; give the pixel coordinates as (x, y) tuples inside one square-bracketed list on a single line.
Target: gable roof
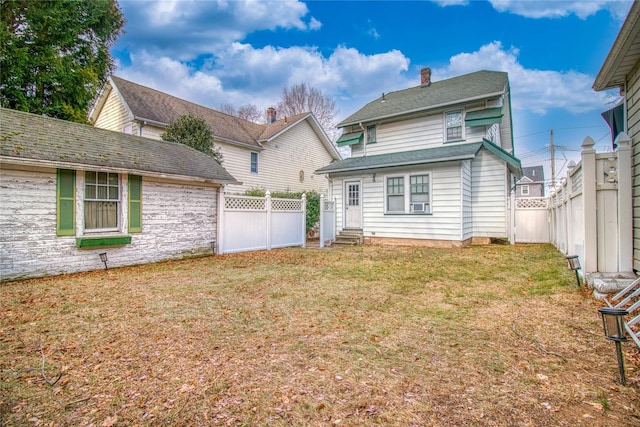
[(533, 173), (161, 109), (34, 140), (624, 54), (454, 91), (445, 153)]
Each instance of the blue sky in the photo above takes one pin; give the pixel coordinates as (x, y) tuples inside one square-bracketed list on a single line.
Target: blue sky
[(245, 52)]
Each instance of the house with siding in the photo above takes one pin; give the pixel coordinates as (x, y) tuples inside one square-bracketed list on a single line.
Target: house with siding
[(531, 184), (281, 155), (433, 164), (621, 70), (71, 192)]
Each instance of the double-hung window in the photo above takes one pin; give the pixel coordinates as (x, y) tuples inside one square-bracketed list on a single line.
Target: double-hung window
[(524, 190), (395, 194), (101, 201), (419, 193), (453, 125), (254, 162), (416, 200)]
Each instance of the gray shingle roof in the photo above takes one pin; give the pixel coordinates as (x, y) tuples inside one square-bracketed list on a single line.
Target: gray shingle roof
[(159, 107), (404, 158), (445, 153), (534, 173), (453, 91), (30, 138)]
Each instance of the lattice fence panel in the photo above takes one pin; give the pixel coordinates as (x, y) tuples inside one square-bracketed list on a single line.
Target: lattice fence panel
[(286, 204), (245, 203), (532, 203)]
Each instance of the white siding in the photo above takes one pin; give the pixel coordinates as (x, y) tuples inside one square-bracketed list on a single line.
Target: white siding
[(416, 134), (443, 224), (279, 164), (467, 210), (407, 135), (178, 220), (489, 196), (114, 116)]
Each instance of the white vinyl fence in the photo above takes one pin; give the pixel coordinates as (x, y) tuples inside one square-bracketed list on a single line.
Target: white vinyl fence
[(249, 223), (327, 221), (532, 220), (588, 213)]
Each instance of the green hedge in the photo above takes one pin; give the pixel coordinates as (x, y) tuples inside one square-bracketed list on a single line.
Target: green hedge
[(313, 202)]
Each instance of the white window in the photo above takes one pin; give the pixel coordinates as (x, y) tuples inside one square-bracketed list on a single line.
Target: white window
[(453, 125), (419, 195), (254, 162), (371, 134), (395, 194), (524, 190), (101, 201)]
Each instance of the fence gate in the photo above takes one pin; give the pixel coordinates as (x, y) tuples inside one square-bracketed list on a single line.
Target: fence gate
[(532, 220)]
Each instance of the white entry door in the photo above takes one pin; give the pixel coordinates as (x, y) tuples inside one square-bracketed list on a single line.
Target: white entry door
[(352, 205)]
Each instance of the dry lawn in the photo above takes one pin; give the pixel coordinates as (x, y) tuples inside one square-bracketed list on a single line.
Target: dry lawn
[(393, 336)]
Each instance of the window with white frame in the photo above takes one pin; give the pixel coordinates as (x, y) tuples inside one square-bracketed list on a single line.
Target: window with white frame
[(371, 134), (419, 195), (254, 162), (101, 201), (524, 190), (395, 194), (453, 124)]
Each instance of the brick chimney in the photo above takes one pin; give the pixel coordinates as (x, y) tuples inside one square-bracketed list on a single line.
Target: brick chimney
[(425, 77), (271, 115)]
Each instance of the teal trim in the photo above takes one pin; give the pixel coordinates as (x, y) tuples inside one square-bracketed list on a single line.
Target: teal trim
[(512, 162), (488, 116), (97, 242), (350, 139)]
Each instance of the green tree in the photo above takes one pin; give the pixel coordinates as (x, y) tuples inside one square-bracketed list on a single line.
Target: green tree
[(55, 54), (194, 132)]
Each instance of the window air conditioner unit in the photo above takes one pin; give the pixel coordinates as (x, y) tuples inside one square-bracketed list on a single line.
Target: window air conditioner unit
[(418, 207)]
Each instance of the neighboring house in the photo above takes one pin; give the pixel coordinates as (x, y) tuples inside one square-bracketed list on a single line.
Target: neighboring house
[(281, 155), (621, 70), (532, 182), (71, 192), (431, 164)]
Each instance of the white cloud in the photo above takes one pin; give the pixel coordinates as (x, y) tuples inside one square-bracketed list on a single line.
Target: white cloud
[(188, 28), (552, 8), (242, 74), (532, 90), (559, 8)]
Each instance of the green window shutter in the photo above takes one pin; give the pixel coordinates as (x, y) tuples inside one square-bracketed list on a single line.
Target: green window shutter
[(66, 202), (135, 204)]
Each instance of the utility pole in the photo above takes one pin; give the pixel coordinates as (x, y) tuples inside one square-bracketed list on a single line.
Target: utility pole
[(553, 161)]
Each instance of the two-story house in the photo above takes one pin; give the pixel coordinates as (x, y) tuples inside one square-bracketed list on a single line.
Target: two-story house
[(531, 184), (432, 164), (281, 155)]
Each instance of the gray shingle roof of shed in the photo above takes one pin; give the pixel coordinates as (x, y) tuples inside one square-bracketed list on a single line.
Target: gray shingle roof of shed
[(28, 137), (453, 91)]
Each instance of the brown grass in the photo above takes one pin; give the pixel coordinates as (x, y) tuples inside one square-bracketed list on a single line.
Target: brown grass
[(369, 335)]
